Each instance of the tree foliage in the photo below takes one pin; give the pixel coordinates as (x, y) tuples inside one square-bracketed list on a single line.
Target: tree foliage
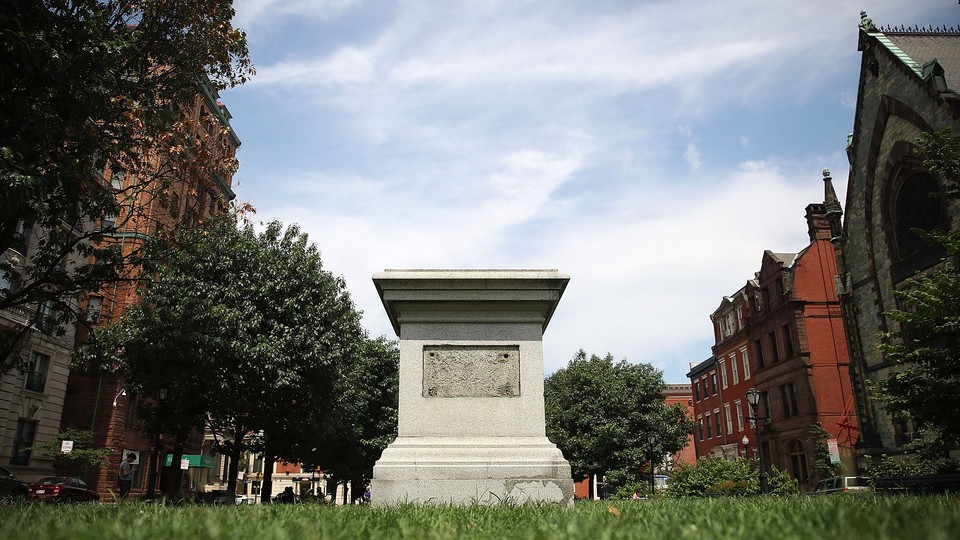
[(82, 456), (823, 467), (718, 476), (248, 332), (926, 349), (91, 90), (600, 413)]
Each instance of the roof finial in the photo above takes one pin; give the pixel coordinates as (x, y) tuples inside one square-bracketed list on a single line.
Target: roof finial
[(866, 23)]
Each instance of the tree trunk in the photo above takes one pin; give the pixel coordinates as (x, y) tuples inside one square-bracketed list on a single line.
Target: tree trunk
[(173, 477), (266, 487), (234, 469)]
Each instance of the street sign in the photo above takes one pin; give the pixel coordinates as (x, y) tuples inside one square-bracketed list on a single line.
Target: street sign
[(184, 464), (66, 447)]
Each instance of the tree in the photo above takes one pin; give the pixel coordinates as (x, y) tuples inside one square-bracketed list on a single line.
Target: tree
[(82, 455), (823, 466), (600, 413), (90, 92), (367, 414), (248, 332), (926, 348)]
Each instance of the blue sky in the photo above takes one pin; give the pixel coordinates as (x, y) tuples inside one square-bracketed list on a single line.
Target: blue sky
[(650, 149)]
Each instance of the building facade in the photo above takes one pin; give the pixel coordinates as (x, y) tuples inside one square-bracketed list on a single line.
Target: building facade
[(908, 85), (31, 398), (167, 200), (781, 333), (721, 382)]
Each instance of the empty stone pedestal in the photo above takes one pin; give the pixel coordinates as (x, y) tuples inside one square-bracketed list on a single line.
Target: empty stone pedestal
[(471, 420)]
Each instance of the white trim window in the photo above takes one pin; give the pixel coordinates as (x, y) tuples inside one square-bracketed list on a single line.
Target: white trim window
[(734, 369), (726, 413), (746, 363), (739, 415), (723, 373)]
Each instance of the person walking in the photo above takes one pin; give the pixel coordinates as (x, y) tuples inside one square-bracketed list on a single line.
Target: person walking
[(125, 479)]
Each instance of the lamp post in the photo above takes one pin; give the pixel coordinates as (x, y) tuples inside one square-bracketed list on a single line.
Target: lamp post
[(753, 398), (152, 481), (652, 439)]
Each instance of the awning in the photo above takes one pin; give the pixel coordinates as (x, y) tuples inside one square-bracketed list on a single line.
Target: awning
[(196, 460)]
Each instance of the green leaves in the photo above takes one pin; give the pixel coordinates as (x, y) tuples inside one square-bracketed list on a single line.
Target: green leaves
[(600, 412)]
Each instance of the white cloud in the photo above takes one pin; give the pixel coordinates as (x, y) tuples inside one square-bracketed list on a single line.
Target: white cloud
[(693, 156)]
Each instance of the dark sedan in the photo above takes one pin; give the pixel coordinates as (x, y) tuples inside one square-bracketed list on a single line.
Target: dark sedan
[(10, 486), (62, 489)]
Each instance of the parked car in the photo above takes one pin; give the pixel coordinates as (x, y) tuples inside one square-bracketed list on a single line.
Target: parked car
[(62, 489), (10, 486), (842, 484)]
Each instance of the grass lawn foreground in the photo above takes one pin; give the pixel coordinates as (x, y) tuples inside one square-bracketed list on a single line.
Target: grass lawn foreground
[(760, 518)]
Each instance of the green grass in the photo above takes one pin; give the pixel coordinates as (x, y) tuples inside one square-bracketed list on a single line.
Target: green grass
[(702, 519)]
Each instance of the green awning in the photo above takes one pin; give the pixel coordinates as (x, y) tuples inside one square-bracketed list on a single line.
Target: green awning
[(196, 460)]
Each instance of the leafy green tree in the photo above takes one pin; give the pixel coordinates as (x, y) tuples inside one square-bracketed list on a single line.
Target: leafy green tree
[(926, 349), (823, 467), (81, 457), (248, 332), (91, 90), (600, 414), (367, 414)]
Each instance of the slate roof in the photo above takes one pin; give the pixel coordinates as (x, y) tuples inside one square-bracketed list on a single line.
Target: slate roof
[(921, 47)]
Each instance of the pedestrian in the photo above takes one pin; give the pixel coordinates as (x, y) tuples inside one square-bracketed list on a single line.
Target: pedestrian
[(125, 479)]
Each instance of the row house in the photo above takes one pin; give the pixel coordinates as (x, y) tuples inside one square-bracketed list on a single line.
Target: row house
[(782, 333), (720, 384)]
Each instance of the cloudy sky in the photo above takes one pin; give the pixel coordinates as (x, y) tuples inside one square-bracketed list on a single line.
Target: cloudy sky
[(650, 149)]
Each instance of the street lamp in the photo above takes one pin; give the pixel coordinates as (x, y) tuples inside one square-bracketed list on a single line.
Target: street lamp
[(652, 439), (746, 446), (753, 398), (152, 482)]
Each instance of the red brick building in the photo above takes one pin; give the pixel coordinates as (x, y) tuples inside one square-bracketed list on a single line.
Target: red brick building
[(99, 403), (721, 382), (783, 333)]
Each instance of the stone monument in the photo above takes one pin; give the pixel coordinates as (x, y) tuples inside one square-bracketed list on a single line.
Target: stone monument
[(471, 427)]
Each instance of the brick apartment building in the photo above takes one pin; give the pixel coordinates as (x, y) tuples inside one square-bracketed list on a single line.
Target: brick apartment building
[(782, 333), (100, 403)]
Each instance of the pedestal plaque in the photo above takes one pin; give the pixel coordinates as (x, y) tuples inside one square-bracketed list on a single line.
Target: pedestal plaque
[(471, 419)]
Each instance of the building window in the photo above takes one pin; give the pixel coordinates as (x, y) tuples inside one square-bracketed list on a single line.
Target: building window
[(46, 320), (709, 427), (774, 350), (746, 363), (22, 441), (700, 427), (37, 372), (696, 391), (739, 317), (798, 461), (94, 303), (729, 418), (734, 369), (791, 406), (723, 373), (117, 177), (739, 415), (713, 382), (717, 419), (787, 341), (758, 299), (9, 282)]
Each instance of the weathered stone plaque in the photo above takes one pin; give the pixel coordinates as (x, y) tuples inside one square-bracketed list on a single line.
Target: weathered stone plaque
[(471, 371)]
